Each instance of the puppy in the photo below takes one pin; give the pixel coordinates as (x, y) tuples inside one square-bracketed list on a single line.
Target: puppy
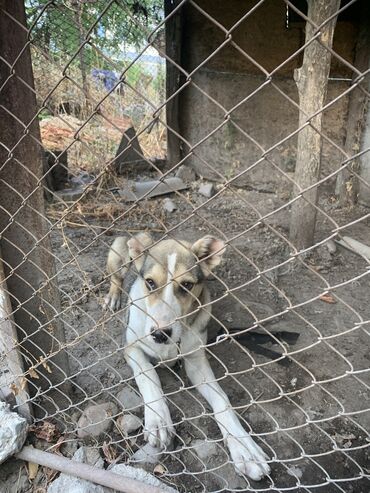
[(169, 308)]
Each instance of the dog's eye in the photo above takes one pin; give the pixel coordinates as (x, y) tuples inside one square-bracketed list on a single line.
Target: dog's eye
[(150, 284), (187, 286)]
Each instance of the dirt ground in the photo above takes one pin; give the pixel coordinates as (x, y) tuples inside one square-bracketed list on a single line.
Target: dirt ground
[(307, 409)]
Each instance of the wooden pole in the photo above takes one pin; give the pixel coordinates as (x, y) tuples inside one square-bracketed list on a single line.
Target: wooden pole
[(173, 79), (347, 186), (25, 242), (79, 470), (312, 82)]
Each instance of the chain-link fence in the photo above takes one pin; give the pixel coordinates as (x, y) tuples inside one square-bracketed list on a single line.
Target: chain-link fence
[(226, 146)]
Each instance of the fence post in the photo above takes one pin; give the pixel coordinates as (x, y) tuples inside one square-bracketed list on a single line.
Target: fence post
[(173, 51), (312, 83), (25, 243)]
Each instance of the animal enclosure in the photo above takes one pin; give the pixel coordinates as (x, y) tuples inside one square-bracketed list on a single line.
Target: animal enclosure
[(244, 120)]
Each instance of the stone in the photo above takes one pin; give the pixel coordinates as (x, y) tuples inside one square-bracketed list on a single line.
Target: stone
[(13, 432), (129, 154), (331, 246), (295, 472), (128, 423), (147, 454), (207, 190), (169, 205), (130, 400), (186, 173), (84, 455), (204, 449), (140, 475), (90, 456), (96, 420)]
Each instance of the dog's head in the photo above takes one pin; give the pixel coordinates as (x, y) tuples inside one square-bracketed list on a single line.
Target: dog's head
[(172, 274)]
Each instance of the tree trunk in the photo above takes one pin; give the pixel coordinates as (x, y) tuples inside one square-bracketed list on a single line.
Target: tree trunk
[(312, 82), (25, 241), (347, 187), (81, 54)]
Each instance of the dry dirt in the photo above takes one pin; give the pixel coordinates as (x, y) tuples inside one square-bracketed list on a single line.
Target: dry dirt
[(306, 409)]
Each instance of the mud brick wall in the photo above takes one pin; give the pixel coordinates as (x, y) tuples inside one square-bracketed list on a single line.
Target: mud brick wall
[(229, 77)]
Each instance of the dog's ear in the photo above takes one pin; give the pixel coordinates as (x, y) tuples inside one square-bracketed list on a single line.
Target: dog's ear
[(209, 251), (136, 246)]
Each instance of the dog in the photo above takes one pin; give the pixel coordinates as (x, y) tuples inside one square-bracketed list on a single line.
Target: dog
[(169, 308)]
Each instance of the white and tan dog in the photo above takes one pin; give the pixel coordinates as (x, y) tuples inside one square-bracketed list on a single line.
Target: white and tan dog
[(166, 320)]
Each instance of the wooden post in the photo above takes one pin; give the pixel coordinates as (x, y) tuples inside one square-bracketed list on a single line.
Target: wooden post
[(25, 243), (312, 81), (347, 186), (173, 76)]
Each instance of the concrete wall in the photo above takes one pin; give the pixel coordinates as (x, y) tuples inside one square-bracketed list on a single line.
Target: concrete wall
[(229, 77)]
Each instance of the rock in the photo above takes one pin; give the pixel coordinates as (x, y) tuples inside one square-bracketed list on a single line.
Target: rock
[(88, 455), (130, 400), (204, 449), (6, 395), (295, 472), (142, 476), (147, 454), (127, 423), (129, 154), (207, 189), (331, 246), (169, 205), (186, 173), (13, 432), (70, 484), (96, 419)]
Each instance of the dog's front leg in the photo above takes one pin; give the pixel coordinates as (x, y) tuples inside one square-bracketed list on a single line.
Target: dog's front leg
[(158, 423), (248, 457)]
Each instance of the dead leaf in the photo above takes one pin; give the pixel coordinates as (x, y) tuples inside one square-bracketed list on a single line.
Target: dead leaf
[(32, 470), (45, 431), (32, 373), (110, 453), (159, 470), (328, 298), (14, 388)]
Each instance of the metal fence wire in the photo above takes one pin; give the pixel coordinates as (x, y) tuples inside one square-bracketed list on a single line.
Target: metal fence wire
[(227, 143)]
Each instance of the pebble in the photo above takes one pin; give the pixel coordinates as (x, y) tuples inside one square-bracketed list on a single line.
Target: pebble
[(204, 449), (207, 190), (186, 173), (130, 400), (128, 423), (147, 454), (169, 205), (96, 420)]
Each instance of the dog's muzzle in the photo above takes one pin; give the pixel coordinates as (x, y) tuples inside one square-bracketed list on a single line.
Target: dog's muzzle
[(161, 336)]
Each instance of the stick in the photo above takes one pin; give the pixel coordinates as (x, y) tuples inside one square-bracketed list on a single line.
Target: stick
[(355, 246), (84, 471)]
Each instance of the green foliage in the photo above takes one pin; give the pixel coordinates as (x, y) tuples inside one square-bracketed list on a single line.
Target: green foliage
[(59, 27)]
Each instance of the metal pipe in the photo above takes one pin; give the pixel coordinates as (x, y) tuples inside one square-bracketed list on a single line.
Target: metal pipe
[(84, 471)]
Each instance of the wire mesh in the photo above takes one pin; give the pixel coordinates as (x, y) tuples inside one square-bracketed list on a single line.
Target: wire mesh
[(288, 328)]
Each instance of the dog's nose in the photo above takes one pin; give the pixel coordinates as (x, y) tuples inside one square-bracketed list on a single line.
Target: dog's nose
[(161, 336)]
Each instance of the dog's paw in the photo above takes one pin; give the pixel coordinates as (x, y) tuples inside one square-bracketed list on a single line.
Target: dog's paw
[(248, 457), (158, 425), (112, 301)]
